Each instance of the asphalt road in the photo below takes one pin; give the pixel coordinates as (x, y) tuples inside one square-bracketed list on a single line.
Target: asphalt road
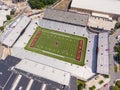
[(112, 41)]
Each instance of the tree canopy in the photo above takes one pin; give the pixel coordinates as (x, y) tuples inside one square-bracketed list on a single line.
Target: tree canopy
[(38, 4), (117, 85), (12, 12), (117, 25), (118, 53), (8, 17)]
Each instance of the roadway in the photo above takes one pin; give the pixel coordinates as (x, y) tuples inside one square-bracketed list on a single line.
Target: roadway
[(112, 41)]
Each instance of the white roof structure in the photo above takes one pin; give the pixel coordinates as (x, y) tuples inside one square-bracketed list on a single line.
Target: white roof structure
[(16, 28), (107, 6), (103, 54), (44, 71)]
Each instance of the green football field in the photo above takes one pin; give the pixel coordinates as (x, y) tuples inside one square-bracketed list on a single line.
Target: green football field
[(57, 45)]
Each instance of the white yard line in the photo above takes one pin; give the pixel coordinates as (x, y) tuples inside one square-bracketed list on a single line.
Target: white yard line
[(52, 53), (60, 34)]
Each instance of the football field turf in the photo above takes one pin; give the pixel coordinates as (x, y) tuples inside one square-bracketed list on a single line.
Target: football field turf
[(66, 47)]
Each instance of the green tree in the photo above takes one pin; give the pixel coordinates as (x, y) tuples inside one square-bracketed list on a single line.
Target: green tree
[(101, 81), (12, 12), (38, 4), (80, 87), (2, 28), (8, 17), (118, 54), (115, 88), (118, 83), (117, 25), (93, 88)]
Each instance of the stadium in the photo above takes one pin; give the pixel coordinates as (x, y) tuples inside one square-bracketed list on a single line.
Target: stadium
[(65, 43), (60, 42)]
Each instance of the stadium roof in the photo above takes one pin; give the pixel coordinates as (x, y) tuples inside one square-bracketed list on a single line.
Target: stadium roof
[(107, 6), (66, 17), (16, 28), (60, 76), (103, 55)]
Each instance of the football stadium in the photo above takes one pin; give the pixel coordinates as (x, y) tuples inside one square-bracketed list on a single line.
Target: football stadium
[(68, 42), (63, 46)]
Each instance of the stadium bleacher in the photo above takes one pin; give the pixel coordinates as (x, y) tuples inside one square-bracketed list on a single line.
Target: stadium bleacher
[(66, 17)]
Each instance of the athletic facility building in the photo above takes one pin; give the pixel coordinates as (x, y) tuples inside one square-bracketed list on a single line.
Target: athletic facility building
[(102, 13), (82, 72), (13, 31), (60, 43), (109, 8)]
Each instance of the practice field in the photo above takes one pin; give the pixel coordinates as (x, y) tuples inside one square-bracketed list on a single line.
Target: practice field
[(66, 47)]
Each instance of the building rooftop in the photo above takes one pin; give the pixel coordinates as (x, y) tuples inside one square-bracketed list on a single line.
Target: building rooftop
[(106, 6), (14, 30), (38, 69), (66, 17), (103, 54)]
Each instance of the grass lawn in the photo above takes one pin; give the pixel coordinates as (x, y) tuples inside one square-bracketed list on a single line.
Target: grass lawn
[(58, 45), (116, 68)]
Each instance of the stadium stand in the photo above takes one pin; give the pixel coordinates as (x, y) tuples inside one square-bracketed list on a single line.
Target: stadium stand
[(103, 54), (66, 17), (91, 55), (64, 27), (14, 30)]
